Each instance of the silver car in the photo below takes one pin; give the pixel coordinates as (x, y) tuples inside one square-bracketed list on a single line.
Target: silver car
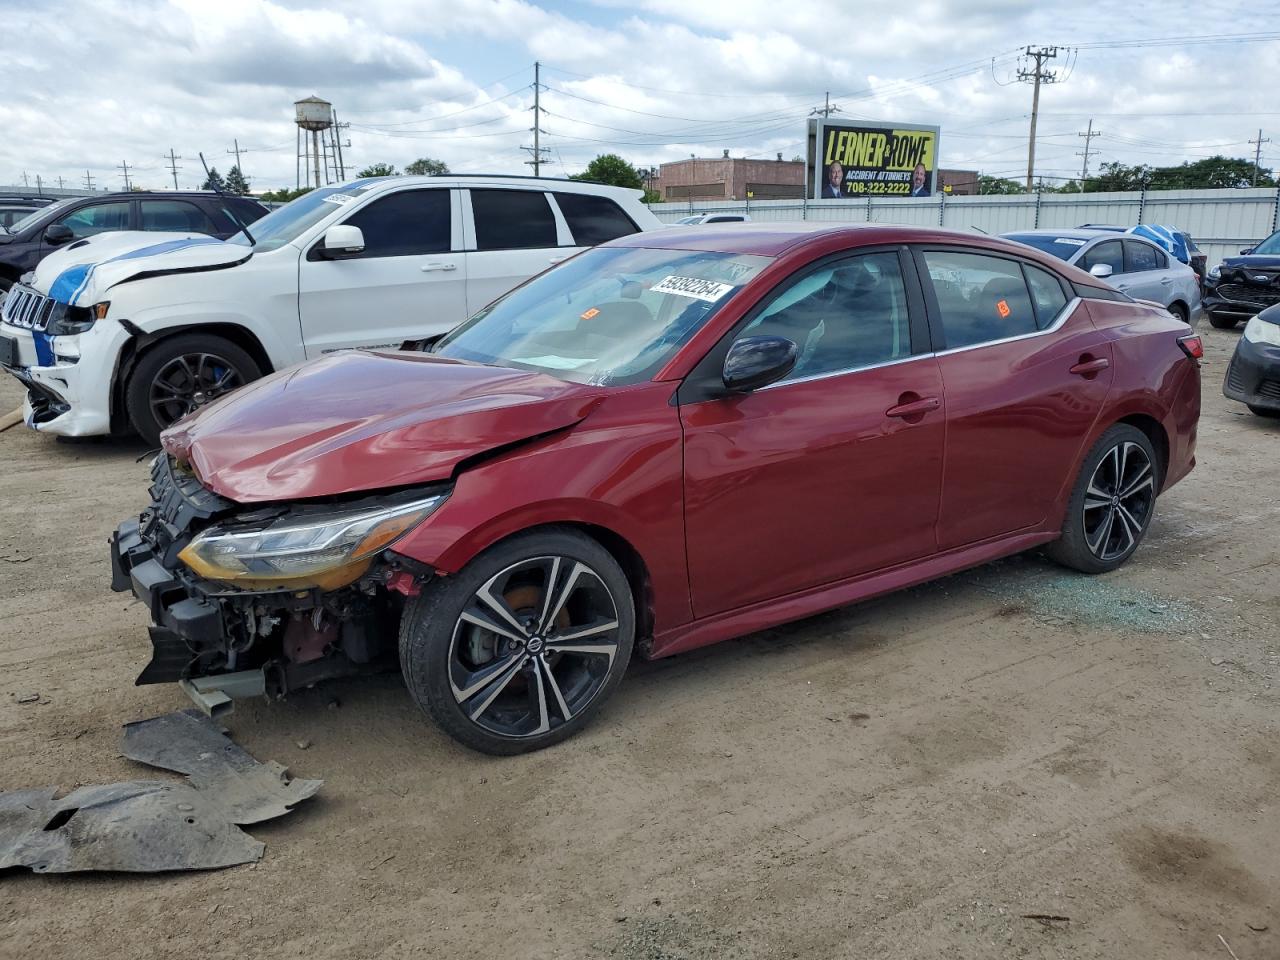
[(1130, 264)]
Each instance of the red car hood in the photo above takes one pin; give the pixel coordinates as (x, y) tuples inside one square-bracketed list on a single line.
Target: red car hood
[(363, 421)]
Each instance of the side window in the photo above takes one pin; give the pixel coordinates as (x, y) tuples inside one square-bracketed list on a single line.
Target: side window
[(405, 224), (512, 220), (1109, 253), (981, 298), (593, 219), (850, 314), (174, 215), (1142, 256), (1046, 294), (98, 218)]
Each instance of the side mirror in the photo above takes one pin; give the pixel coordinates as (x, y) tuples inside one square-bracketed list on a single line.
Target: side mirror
[(1101, 270), (755, 362), (341, 241), (1246, 251), (57, 233)]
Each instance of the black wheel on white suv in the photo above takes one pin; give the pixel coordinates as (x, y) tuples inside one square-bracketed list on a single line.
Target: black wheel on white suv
[(181, 374)]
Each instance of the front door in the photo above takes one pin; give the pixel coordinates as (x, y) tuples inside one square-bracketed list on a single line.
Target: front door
[(1025, 374), (1146, 273), (833, 471), (409, 282)]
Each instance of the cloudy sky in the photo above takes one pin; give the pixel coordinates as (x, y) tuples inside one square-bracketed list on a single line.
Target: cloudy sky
[(91, 84)]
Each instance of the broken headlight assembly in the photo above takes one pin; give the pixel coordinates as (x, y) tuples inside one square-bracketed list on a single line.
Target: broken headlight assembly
[(70, 321), (326, 550)]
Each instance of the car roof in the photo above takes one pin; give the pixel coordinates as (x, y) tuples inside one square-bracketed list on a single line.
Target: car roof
[(774, 239), (562, 184), (1073, 233)]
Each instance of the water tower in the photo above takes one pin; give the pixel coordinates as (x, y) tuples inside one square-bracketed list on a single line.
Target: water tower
[(321, 151)]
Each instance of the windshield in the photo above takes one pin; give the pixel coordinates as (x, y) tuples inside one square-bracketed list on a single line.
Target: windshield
[(612, 315), (35, 215), (1271, 245), (1064, 248), (285, 224)]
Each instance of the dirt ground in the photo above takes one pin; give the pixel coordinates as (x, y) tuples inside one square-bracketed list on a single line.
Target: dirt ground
[(907, 778)]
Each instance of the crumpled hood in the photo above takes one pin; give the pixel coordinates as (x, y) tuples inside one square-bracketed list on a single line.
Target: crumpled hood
[(82, 272), (366, 421), (1262, 261)]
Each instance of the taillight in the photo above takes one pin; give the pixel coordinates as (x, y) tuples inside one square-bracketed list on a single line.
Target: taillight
[(1192, 346)]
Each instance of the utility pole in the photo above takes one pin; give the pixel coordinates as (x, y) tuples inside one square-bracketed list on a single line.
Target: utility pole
[(537, 150), (1257, 155), (1036, 76), (39, 185), (24, 179), (1088, 140), (173, 159), (59, 183), (124, 165), (338, 145), (88, 180), (237, 151), (826, 109)]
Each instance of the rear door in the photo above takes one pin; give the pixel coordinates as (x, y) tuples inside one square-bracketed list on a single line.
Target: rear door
[(836, 469), (409, 282), (1146, 272), (511, 235), (1025, 375)]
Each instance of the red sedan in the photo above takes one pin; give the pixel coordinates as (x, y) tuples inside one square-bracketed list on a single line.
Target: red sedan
[(666, 441)]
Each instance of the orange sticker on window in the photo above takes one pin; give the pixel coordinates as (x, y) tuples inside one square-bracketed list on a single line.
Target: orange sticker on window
[(1003, 307), (593, 312)]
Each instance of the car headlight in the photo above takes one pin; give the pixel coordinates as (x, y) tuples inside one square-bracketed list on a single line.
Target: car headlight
[(1258, 330), (327, 550), (73, 320), (1214, 273)]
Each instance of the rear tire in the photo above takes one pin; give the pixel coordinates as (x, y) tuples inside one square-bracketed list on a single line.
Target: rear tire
[(1222, 323), (1112, 503), (520, 648), (180, 374), (1179, 312)]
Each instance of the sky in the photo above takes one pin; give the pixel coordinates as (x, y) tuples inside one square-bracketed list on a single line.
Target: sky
[(90, 85)]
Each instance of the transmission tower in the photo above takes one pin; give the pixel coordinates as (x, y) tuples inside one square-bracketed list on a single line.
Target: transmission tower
[(537, 150)]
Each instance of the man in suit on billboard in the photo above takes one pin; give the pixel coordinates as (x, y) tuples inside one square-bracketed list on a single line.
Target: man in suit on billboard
[(920, 181), (831, 190)]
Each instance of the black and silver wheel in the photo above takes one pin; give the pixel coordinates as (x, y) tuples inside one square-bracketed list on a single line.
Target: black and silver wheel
[(181, 374), (517, 651), (1112, 503), (1222, 322)]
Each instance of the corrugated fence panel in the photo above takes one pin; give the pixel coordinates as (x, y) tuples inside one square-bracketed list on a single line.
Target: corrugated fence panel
[(1221, 221)]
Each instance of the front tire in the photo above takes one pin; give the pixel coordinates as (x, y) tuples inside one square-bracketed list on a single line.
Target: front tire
[(180, 374), (1112, 503), (519, 649), (1219, 322)]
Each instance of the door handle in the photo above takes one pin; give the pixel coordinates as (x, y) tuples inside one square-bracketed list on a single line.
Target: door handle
[(906, 409), (429, 267), (1166, 280), (1091, 367)]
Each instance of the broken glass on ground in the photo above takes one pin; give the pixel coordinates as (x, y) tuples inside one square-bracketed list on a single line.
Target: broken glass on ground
[(144, 826)]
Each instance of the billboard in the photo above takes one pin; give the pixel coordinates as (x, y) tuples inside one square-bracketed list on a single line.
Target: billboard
[(861, 159)]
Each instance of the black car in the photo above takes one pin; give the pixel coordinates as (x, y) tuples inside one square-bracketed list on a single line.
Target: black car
[(43, 230), (1240, 287), (1253, 376)]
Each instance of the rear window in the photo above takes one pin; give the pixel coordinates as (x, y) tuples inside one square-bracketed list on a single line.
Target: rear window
[(1143, 256), (512, 219), (1064, 248), (981, 299), (593, 220)]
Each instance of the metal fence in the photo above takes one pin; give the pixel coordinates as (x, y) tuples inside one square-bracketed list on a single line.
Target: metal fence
[(1221, 221)]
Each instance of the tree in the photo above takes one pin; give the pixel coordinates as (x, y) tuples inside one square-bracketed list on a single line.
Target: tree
[(987, 185), (377, 170), (1117, 176), (611, 169), (284, 194), (426, 167), (1209, 173), (214, 180), (236, 183)]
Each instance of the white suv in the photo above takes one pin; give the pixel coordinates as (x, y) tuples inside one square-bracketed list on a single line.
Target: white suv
[(132, 329)]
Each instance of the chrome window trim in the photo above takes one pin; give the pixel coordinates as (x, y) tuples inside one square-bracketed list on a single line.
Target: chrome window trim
[(840, 373), (1054, 327)]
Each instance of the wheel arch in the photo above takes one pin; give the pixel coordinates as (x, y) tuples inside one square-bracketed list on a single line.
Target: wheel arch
[(1154, 431), (140, 342)]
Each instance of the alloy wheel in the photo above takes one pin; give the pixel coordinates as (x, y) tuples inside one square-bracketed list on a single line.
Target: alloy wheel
[(188, 382), (533, 646), (1118, 501)]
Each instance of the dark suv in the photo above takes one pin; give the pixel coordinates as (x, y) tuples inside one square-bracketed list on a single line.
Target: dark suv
[(24, 243)]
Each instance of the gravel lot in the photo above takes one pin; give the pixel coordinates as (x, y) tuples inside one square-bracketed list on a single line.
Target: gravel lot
[(906, 778)]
